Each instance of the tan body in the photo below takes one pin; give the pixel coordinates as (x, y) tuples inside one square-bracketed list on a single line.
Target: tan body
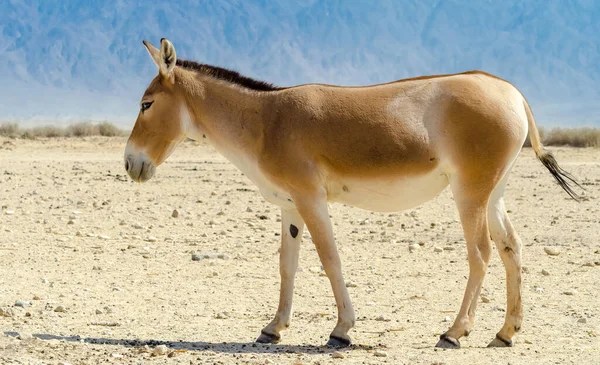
[(384, 148)]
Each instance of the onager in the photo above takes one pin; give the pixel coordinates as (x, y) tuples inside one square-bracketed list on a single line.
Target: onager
[(383, 148)]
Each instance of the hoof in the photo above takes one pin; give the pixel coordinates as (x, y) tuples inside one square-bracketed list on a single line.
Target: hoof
[(446, 342), (336, 341), (500, 342), (266, 337)]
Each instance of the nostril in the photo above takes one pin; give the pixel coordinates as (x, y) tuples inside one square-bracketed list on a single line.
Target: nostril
[(127, 165)]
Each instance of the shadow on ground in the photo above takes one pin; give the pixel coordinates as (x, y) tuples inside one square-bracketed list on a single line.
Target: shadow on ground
[(223, 347)]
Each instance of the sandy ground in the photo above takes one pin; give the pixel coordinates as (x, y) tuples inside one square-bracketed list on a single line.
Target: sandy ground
[(107, 275)]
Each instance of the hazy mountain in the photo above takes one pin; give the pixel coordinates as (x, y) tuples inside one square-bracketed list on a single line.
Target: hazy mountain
[(73, 59)]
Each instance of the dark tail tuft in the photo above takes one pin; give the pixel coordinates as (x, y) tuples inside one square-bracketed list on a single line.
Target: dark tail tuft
[(564, 179)]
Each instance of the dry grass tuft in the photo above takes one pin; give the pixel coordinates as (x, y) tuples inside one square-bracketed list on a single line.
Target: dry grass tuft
[(573, 137), (85, 129)]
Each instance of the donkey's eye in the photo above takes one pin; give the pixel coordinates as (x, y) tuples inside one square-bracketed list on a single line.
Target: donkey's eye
[(146, 105)]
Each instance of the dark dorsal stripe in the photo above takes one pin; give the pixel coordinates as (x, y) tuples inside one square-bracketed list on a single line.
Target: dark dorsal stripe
[(224, 74)]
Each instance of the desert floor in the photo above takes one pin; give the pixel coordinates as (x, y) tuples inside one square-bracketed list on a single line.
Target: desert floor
[(105, 274)]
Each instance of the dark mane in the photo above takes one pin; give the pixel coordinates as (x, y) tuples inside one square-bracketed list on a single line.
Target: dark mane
[(227, 75)]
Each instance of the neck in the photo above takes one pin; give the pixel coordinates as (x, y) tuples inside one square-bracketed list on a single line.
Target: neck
[(231, 117)]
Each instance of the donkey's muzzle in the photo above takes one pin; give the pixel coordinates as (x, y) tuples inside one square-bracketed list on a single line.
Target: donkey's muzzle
[(139, 167)]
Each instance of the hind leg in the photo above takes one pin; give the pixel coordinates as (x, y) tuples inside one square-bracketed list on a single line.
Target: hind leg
[(509, 245), (471, 200)]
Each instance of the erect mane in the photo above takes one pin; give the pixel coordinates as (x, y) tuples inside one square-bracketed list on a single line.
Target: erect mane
[(224, 74)]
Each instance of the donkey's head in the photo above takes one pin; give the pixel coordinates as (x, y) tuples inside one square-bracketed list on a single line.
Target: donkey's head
[(161, 122)]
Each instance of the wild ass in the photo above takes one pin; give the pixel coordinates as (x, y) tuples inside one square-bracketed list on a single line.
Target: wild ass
[(384, 148)]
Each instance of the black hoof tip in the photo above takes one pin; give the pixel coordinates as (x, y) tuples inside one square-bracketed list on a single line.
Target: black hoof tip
[(336, 341), (266, 337), (446, 342), (500, 342)]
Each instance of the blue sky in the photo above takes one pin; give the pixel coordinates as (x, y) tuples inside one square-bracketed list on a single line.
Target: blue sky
[(72, 59)]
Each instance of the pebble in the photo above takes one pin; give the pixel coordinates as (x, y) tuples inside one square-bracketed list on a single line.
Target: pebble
[(447, 319), (315, 269), (222, 315), (22, 304), (202, 256), (438, 249), (104, 237), (448, 248), (337, 355), (151, 239), (98, 311), (570, 292), (37, 297), (589, 264), (380, 353), (160, 350), (60, 309), (137, 226), (413, 247), (175, 213), (552, 251), (9, 212), (545, 272), (485, 299), (24, 336), (351, 284), (382, 318), (117, 356), (582, 320)]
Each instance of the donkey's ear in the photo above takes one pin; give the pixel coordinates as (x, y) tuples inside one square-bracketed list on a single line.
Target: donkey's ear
[(153, 52), (168, 57)]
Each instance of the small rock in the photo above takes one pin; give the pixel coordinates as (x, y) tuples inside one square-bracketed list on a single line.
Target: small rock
[(582, 320), (545, 272), (9, 212), (175, 213), (104, 237), (160, 350), (22, 304), (438, 249), (485, 299), (117, 356), (448, 248), (337, 355), (380, 353), (24, 336), (98, 311), (70, 222), (350, 284), (413, 247), (60, 309), (222, 315), (315, 269), (589, 264), (36, 297), (137, 226), (447, 319), (151, 239), (382, 318), (570, 292), (552, 251), (528, 342)]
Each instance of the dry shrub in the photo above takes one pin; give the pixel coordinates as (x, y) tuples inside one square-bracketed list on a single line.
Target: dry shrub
[(109, 130), (10, 130), (573, 137), (48, 131), (82, 129)]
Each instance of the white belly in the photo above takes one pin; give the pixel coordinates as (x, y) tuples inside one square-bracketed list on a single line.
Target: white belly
[(388, 195)]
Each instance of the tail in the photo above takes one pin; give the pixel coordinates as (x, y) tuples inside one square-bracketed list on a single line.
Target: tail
[(564, 179)]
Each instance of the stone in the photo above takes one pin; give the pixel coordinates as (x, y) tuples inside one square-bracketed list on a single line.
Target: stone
[(438, 249), (570, 292), (552, 251), (22, 304), (175, 213), (350, 284), (60, 309), (382, 318), (545, 272), (485, 299), (380, 353), (337, 355), (582, 320), (160, 350)]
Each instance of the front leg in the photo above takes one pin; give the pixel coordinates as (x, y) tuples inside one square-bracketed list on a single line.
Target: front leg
[(313, 208), (292, 226)]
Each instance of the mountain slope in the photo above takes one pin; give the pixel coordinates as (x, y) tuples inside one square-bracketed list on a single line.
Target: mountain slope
[(80, 59)]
